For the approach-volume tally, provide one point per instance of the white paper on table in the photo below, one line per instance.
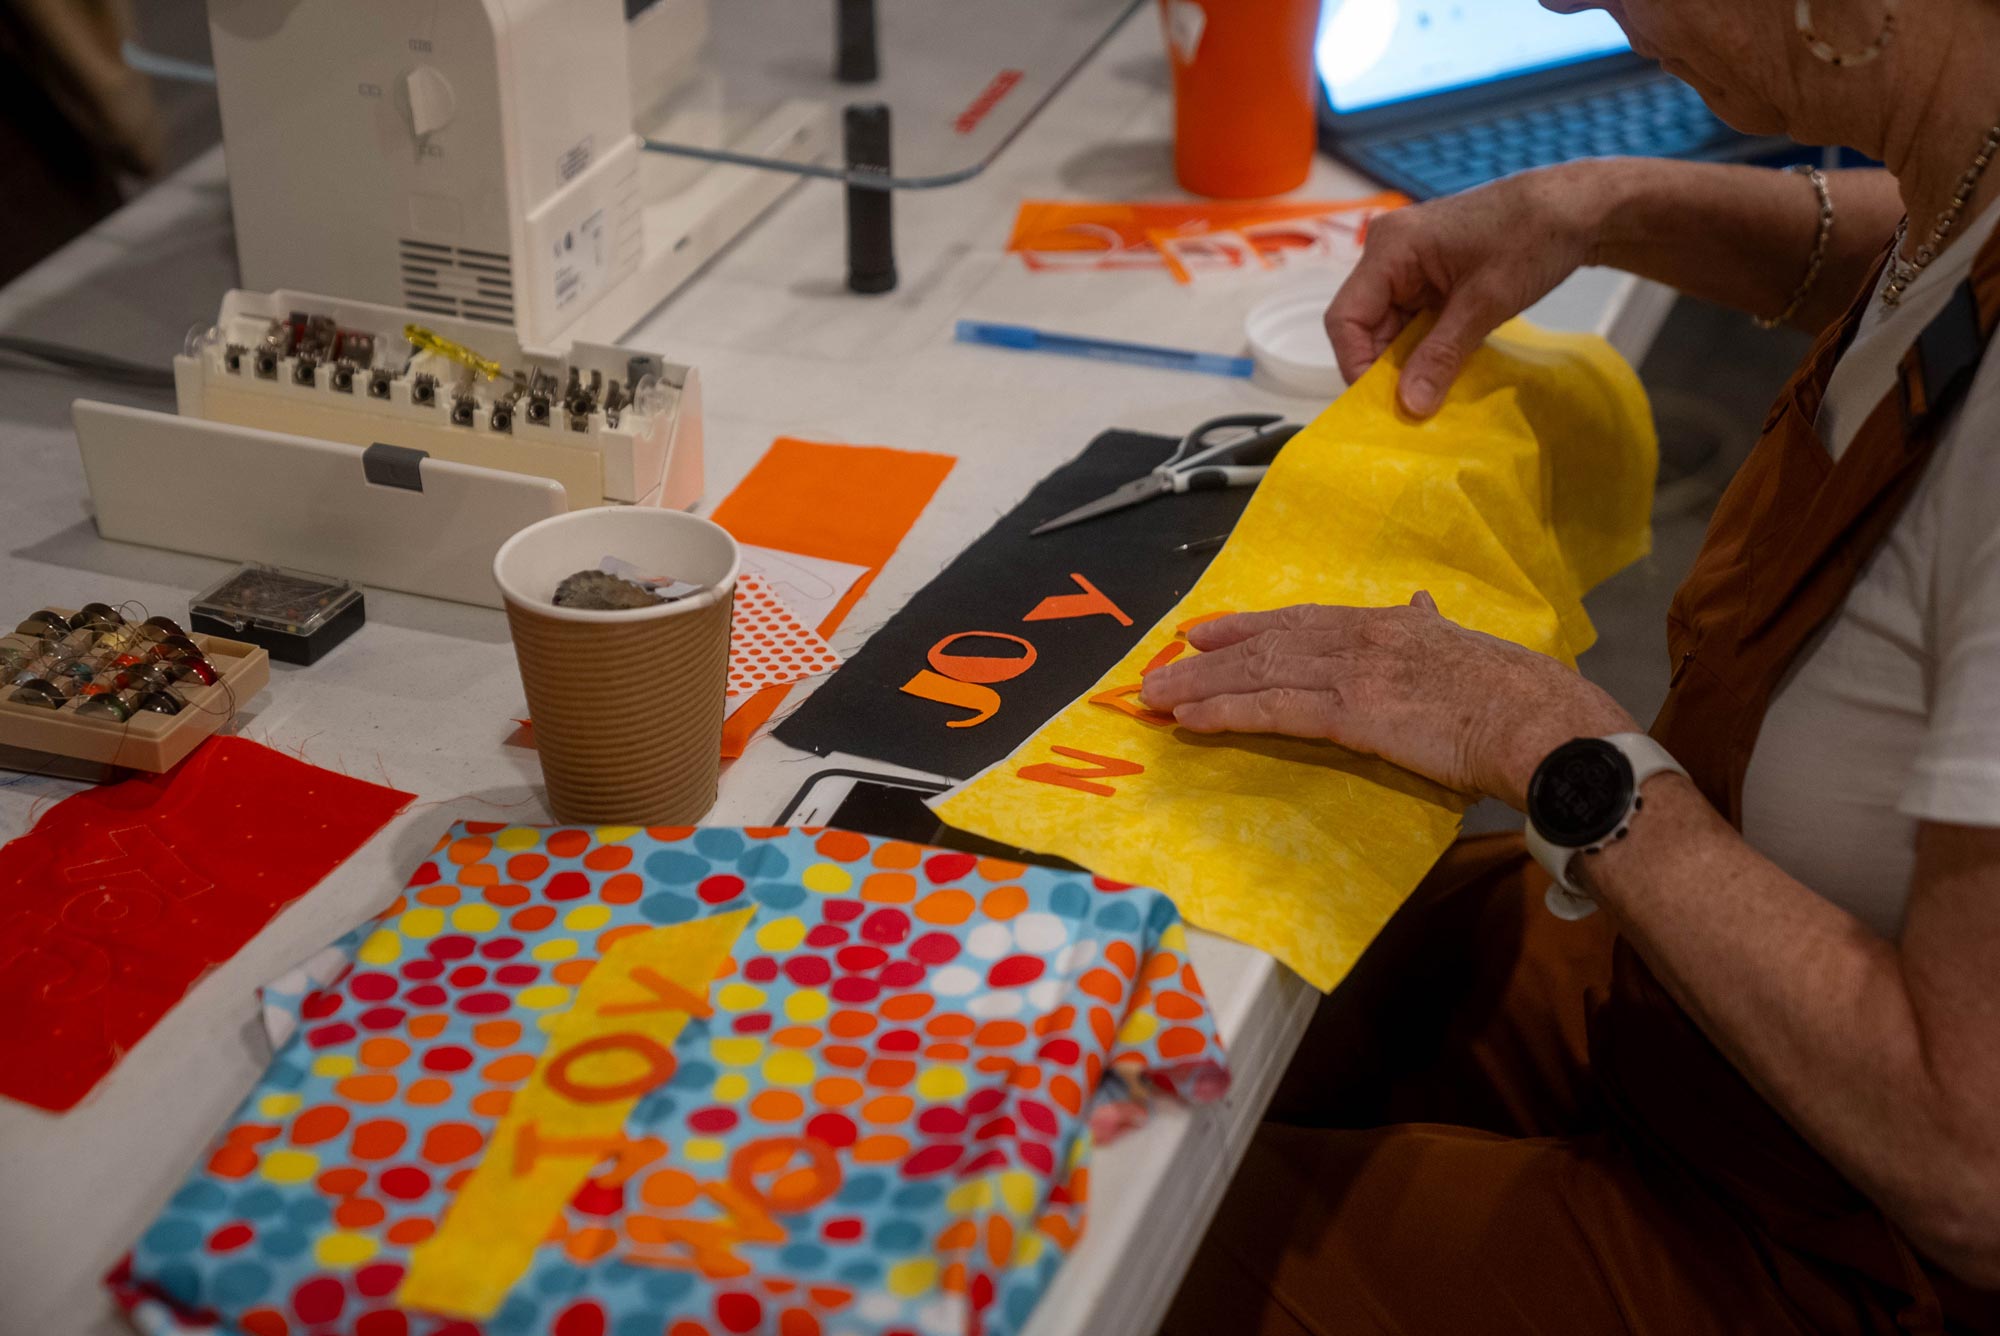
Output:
(812, 587)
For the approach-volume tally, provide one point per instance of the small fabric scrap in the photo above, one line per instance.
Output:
(812, 587)
(1191, 241)
(706, 1081)
(768, 645)
(121, 898)
(845, 503)
(1533, 483)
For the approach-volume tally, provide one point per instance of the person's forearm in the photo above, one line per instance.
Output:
(1817, 1012)
(1740, 236)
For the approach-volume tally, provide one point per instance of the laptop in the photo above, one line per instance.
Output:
(1436, 96)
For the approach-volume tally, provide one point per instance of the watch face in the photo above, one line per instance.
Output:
(1580, 793)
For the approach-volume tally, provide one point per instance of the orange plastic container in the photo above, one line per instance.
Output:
(1243, 94)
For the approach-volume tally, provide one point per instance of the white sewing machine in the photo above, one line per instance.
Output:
(481, 159)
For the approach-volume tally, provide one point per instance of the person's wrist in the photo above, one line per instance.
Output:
(1664, 819)
(1607, 196)
(1531, 743)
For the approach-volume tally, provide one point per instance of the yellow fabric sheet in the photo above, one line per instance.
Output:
(1533, 483)
(612, 1046)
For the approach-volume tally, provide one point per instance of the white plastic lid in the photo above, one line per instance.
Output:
(1287, 336)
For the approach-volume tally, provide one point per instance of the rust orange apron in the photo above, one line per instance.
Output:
(1787, 540)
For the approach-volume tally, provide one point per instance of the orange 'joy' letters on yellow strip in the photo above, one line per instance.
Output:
(610, 1048)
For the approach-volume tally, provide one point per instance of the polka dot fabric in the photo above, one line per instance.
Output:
(768, 645)
(882, 1123)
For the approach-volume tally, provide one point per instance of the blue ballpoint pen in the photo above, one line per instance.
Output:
(1026, 338)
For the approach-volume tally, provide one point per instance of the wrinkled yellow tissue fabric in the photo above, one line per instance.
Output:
(1532, 483)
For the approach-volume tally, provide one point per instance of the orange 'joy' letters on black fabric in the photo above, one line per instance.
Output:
(1018, 627)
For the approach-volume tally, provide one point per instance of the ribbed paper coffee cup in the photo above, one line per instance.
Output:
(627, 705)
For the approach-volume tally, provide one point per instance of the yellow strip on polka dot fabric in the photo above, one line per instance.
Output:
(603, 1055)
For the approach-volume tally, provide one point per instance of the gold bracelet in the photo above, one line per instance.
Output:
(1818, 179)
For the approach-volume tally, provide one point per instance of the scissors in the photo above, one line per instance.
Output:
(1198, 464)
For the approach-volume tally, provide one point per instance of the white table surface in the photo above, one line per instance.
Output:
(422, 697)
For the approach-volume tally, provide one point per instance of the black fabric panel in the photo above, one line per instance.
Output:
(997, 582)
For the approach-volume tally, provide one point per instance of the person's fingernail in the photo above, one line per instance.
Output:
(1419, 394)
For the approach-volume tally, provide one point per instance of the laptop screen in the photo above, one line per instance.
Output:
(1375, 51)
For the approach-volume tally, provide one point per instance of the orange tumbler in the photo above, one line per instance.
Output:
(1243, 94)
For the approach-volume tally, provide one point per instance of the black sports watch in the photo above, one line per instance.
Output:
(1582, 797)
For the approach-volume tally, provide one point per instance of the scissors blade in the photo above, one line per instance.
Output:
(1131, 494)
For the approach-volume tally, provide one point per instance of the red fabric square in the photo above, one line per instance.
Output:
(122, 897)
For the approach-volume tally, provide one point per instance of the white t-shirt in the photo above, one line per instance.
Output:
(1891, 715)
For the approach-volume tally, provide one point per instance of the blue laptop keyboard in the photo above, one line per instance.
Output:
(1662, 118)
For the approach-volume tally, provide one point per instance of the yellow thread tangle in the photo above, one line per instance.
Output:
(432, 342)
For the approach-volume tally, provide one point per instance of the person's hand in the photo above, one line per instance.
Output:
(1478, 259)
(1471, 711)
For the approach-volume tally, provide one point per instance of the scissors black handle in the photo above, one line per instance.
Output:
(1264, 446)
(1197, 440)
(1264, 434)
(1213, 425)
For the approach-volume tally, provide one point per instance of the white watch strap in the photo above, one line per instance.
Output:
(1567, 902)
(1565, 899)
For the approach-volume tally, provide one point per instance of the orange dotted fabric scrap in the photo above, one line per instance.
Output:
(768, 645)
